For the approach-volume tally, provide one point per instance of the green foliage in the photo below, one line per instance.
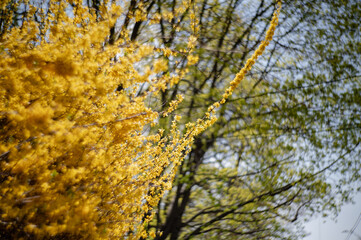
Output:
(286, 145)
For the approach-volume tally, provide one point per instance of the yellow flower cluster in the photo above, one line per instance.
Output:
(173, 105)
(251, 61)
(74, 160)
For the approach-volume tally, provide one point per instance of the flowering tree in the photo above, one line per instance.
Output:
(76, 157)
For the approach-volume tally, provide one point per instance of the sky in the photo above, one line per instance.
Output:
(327, 229)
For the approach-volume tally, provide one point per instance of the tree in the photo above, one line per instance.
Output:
(77, 160)
(287, 143)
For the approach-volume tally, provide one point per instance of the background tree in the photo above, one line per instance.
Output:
(287, 144)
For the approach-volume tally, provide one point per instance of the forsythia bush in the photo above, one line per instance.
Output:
(76, 160)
